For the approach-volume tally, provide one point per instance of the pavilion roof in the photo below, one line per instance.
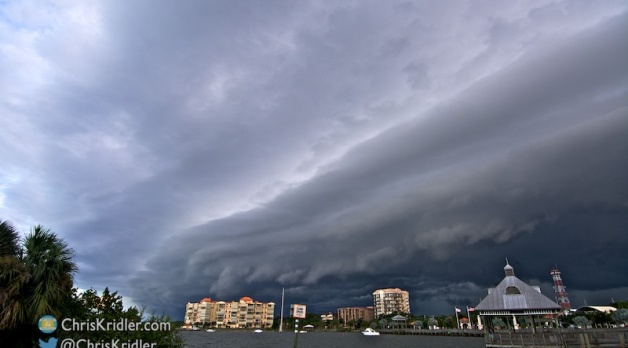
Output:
(512, 294)
(399, 318)
(606, 309)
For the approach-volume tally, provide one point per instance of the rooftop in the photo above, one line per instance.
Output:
(513, 294)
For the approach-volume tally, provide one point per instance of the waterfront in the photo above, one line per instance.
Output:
(248, 339)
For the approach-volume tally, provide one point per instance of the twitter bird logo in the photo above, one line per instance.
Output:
(52, 343)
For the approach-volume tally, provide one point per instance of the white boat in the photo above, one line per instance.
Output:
(211, 330)
(370, 332)
(195, 328)
(302, 331)
(258, 331)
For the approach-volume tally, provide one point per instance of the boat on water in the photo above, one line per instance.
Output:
(302, 331)
(211, 330)
(258, 331)
(370, 332)
(195, 328)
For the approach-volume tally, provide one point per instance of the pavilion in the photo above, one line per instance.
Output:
(513, 298)
(602, 309)
(398, 320)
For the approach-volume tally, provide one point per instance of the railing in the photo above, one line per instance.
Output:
(524, 340)
(560, 339)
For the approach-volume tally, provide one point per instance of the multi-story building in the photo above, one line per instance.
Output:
(348, 314)
(389, 301)
(198, 312)
(245, 313)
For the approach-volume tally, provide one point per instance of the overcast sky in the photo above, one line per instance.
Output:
(190, 149)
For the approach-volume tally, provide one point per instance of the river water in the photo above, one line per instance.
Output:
(247, 339)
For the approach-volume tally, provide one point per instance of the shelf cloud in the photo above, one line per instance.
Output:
(228, 149)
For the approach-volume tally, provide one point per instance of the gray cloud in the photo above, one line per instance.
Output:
(231, 149)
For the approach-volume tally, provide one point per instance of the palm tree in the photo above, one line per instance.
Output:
(12, 276)
(9, 239)
(432, 323)
(35, 277)
(49, 262)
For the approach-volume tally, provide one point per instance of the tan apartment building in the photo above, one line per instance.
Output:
(198, 312)
(348, 314)
(245, 313)
(389, 301)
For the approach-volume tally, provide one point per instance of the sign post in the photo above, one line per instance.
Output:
(298, 312)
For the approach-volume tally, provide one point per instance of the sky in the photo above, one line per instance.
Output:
(191, 149)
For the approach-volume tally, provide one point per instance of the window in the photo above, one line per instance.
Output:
(513, 290)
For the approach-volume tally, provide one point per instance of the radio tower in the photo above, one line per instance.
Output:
(559, 290)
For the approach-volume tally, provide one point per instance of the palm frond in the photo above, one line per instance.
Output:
(9, 239)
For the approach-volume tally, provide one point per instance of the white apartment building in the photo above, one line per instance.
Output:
(389, 301)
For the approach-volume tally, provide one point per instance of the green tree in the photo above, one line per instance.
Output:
(523, 322)
(621, 316)
(581, 321)
(9, 240)
(36, 277)
(49, 262)
(600, 318)
(499, 322)
(449, 322)
(108, 307)
(12, 276)
(432, 322)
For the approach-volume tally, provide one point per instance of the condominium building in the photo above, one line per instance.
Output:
(348, 314)
(389, 301)
(245, 313)
(198, 312)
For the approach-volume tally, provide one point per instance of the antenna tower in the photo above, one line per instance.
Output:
(560, 290)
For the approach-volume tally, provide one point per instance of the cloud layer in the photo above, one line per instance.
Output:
(223, 149)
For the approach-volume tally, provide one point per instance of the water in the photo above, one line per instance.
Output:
(248, 339)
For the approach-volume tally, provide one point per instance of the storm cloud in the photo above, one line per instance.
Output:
(229, 149)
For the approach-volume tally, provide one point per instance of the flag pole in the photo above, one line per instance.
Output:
(281, 315)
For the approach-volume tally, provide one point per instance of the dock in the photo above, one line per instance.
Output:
(438, 332)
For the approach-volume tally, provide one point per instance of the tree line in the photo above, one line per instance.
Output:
(37, 279)
(381, 322)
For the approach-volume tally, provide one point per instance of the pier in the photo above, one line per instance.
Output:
(439, 332)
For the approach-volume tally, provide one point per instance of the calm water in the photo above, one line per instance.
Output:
(241, 339)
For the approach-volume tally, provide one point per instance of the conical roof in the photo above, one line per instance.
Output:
(513, 294)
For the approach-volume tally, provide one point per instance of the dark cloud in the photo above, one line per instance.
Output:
(230, 149)
(518, 160)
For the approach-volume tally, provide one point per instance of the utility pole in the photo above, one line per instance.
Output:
(281, 315)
